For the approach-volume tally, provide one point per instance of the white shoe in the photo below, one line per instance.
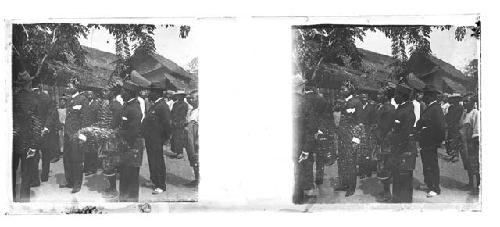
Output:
(431, 194)
(157, 191)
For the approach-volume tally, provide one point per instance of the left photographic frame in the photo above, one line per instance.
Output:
(104, 113)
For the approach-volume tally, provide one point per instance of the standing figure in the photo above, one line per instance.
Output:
(454, 145)
(110, 162)
(351, 135)
(431, 127)
(132, 146)
(156, 130)
(73, 153)
(27, 125)
(192, 147)
(50, 145)
(403, 147)
(179, 116)
(305, 124)
(470, 155)
(366, 116)
(385, 122)
(90, 118)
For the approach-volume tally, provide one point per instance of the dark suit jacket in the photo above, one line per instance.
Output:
(74, 115)
(131, 121)
(365, 115)
(157, 124)
(403, 148)
(116, 112)
(385, 115)
(179, 114)
(432, 126)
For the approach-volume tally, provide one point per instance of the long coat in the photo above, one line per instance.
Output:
(385, 120)
(130, 131)
(27, 122)
(73, 123)
(157, 124)
(432, 126)
(74, 115)
(403, 146)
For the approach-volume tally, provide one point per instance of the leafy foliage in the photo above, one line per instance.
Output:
(35, 45)
(316, 45)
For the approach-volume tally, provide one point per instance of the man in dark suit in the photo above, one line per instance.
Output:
(132, 147)
(432, 132)
(179, 123)
(26, 133)
(156, 130)
(384, 121)
(403, 147)
(365, 114)
(89, 118)
(73, 154)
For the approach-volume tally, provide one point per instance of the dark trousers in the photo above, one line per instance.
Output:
(27, 167)
(156, 162)
(91, 160)
(430, 167)
(402, 186)
(35, 172)
(73, 167)
(46, 156)
(129, 183)
(319, 159)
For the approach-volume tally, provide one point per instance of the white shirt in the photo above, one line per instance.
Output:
(119, 99)
(193, 115)
(473, 119)
(393, 102)
(170, 104)
(416, 110)
(142, 103)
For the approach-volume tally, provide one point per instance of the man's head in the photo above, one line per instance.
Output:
(193, 99)
(364, 98)
(402, 94)
(130, 90)
(430, 94)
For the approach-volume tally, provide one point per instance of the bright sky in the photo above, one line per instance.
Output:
(167, 41)
(443, 45)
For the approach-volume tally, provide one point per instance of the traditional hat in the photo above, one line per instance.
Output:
(403, 88)
(24, 77)
(131, 86)
(156, 86)
(430, 88)
(180, 92)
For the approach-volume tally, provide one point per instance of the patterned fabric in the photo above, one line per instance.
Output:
(27, 124)
(348, 150)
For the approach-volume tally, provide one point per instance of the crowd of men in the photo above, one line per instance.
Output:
(143, 119)
(382, 132)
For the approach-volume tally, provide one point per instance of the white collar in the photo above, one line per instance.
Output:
(157, 100)
(76, 94)
(347, 99)
(432, 102)
(132, 99)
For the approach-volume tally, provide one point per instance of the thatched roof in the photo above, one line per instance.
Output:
(155, 67)
(435, 71)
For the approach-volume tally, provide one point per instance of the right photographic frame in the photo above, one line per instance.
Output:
(386, 114)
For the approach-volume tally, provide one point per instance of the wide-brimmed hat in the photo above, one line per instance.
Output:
(430, 88)
(23, 78)
(131, 86)
(180, 92)
(155, 86)
(404, 89)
